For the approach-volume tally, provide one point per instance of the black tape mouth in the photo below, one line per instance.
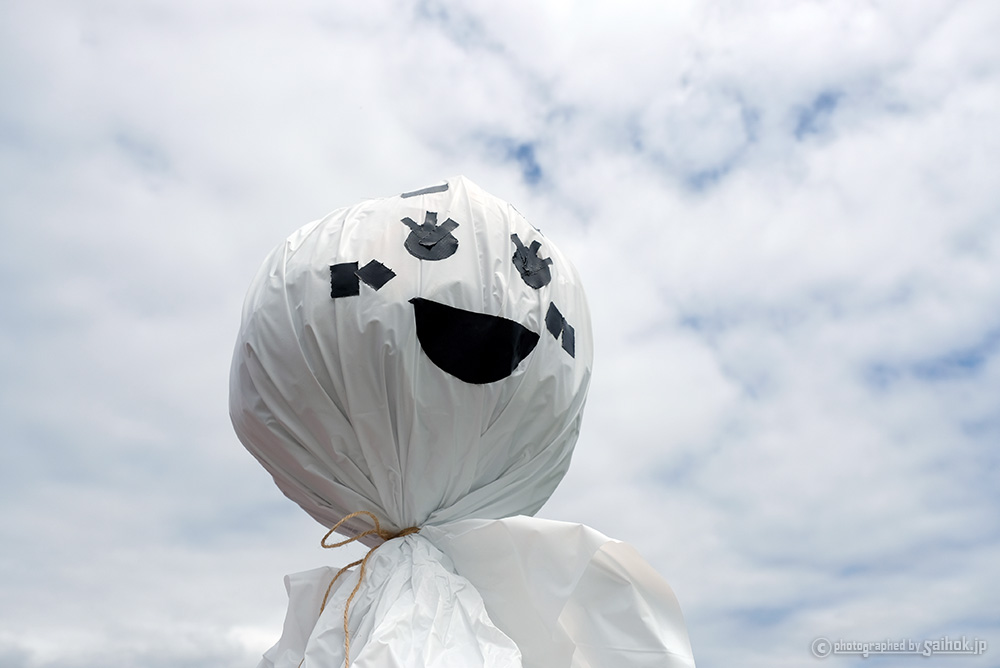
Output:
(474, 347)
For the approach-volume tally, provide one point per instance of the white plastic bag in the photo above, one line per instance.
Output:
(425, 358)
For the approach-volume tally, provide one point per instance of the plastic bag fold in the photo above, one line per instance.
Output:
(513, 592)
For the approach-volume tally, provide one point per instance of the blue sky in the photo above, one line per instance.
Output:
(785, 214)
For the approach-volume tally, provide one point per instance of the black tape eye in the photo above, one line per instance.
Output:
(534, 270)
(430, 241)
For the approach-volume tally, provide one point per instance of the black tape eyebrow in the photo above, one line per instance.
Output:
(426, 191)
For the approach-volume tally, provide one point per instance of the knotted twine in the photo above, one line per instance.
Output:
(376, 531)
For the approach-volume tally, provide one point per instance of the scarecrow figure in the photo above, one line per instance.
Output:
(412, 372)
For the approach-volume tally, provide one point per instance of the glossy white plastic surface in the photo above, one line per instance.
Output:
(337, 395)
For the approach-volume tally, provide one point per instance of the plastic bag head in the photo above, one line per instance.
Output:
(424, 357)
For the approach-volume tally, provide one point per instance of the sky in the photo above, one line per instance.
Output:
(786, 218)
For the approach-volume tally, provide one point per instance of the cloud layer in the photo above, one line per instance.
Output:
(784, 212)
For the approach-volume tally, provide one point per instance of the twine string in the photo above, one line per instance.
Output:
(377, 530)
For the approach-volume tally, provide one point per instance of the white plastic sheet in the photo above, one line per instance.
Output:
(533, 593)
(338, 399)
(426, 358)
(413, 610)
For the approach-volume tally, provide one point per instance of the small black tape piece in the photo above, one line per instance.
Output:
(554, 321)
(375, 274)
(558, 327)
(430, 241)
(344, 280)
(474, 347)
(426, 191)
(534, 270)
(569, 339)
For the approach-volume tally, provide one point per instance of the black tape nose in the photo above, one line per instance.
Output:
(474, 347)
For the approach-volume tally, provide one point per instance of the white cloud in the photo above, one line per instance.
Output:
(783, 212)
